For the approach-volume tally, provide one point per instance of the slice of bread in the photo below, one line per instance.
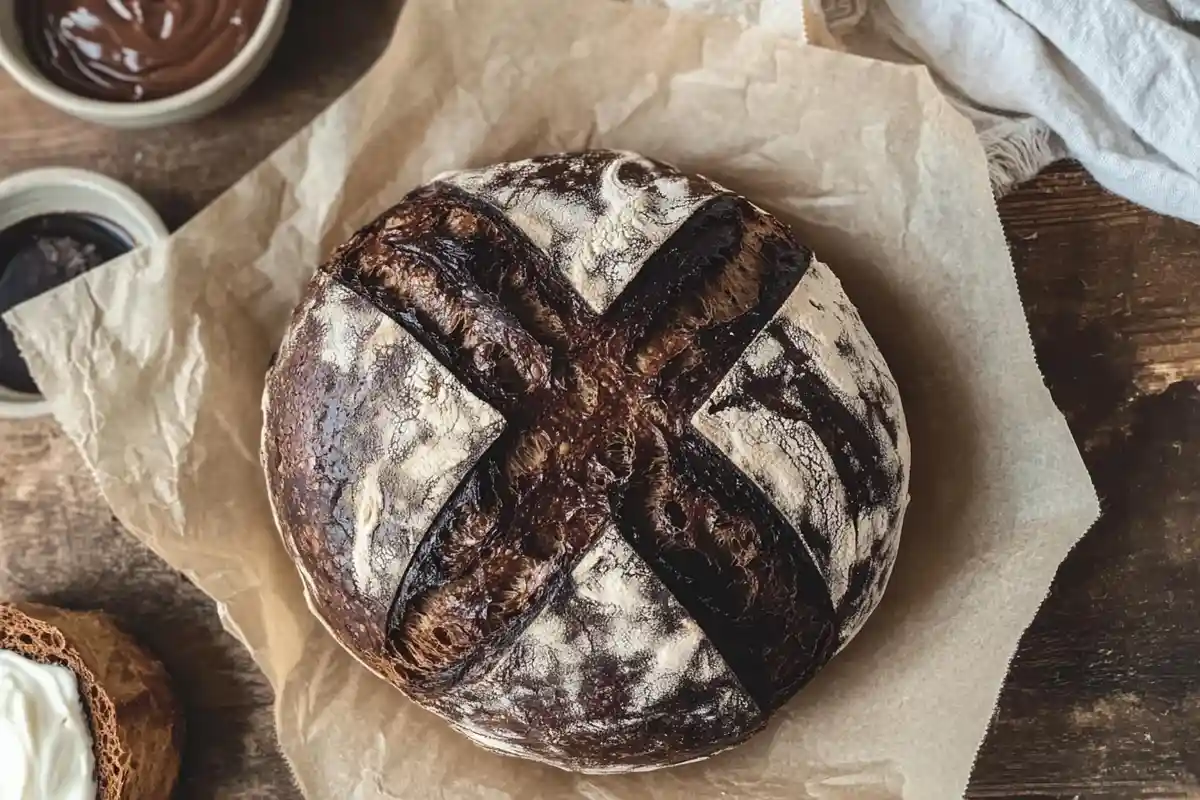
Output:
(135, 722)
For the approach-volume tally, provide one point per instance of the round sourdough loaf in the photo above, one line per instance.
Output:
(588, 456)
(136, 726)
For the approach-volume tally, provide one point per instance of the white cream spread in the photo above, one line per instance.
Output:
(45, 744)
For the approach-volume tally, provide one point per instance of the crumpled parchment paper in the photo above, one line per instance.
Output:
(155, 367)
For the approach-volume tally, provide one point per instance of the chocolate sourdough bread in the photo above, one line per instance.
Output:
(588, 456)
(135, 724)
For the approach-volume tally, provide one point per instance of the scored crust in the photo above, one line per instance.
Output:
(588, 456)
(135, 722)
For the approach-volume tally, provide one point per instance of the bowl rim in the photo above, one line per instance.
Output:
(36, 83)
(86, 179)
(21, 405)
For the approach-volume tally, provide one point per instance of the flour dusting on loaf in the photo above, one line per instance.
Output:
(599, 216)
(389, 430)
(812, 414)
(634, 679)
(590, 457)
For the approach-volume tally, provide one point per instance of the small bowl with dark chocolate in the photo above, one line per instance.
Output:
(56, 224)
(138, 63)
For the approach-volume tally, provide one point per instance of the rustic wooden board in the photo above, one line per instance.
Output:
(1103, 700)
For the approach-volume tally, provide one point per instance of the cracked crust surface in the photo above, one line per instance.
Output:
(670, 462)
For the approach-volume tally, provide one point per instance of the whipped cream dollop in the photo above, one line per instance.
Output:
(45, 744)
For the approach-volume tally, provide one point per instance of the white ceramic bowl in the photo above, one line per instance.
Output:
(55, 191)
(196, 102)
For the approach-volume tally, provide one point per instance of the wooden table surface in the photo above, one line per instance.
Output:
(1103, 699)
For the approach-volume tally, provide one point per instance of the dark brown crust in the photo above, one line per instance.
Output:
(319, 453)
(136, 724)
(617, 391)
(597, 405)
(704, 710)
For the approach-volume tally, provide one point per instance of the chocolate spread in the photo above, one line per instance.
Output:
(130, 50)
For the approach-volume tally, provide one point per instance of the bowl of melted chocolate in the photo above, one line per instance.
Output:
(138, 63)
(56, 225)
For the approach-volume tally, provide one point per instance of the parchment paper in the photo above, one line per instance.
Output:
(784, 16)
(155, 368)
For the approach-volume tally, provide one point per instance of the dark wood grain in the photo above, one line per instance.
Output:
(1103, 699)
